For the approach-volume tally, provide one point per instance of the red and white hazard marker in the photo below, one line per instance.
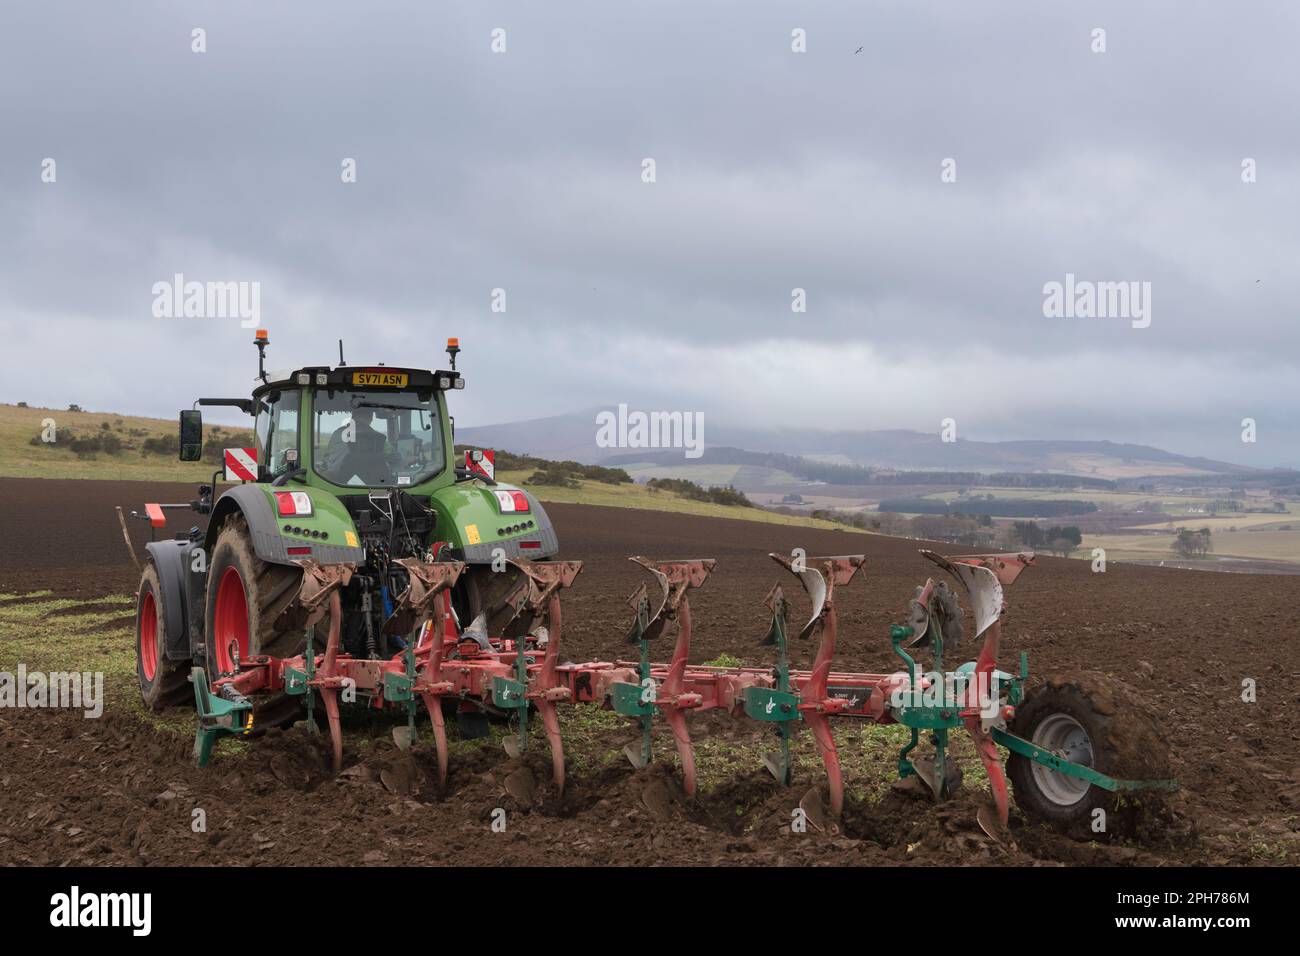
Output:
(484, 466)
(241, 464)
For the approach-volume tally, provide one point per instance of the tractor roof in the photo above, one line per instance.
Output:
(361, 376)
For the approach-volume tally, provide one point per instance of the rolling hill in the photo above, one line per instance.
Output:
(573, 437)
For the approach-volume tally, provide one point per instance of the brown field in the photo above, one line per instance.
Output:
(122, 790)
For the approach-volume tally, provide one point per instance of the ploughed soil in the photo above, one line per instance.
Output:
(122, 789)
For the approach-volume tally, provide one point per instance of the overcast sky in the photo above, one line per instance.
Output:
(775, 170)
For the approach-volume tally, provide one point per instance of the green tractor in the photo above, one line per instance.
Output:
(354, 466)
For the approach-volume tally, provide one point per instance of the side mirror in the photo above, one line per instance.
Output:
(191, 442)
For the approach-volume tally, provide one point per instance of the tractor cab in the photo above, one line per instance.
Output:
(350, 428)
(366, 427)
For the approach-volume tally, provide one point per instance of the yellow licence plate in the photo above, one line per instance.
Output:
(382, 379)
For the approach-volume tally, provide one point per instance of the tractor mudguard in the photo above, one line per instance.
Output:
(271, 543)
(172, 559)
(476, 525)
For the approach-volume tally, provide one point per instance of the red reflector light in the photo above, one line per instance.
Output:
(530, 545)
(300, 550)
(511, 502)
(290, 503)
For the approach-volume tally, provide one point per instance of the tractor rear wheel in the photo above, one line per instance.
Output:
(1094, 720)
(245, 612)
(163, 682)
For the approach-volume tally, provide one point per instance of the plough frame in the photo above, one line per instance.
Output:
(521, 670)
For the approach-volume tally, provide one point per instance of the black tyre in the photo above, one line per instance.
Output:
(163, 682)
(1094, 720)
(248, 612)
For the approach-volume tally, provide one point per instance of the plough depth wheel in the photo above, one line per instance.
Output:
(1088, 719)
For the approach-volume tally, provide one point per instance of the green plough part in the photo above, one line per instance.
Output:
(938, 719)
(638, 700)
(1060, 765)
(778, 705)
(397, 687)
(295, 681)
(629, 700)
(217, 716)
(510, 694)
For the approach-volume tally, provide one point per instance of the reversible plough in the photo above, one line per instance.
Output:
(512, 667)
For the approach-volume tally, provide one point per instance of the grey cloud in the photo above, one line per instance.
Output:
(775, 170)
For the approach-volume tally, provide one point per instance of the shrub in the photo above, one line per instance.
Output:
(161, 445)
(556, 477)
(106, 442)
(688, 489)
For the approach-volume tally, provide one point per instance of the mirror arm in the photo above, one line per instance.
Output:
(243, 404)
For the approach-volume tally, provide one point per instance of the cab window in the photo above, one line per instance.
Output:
(277, 430)
(383, 438)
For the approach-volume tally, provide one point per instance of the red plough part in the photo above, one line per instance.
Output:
(508, 677)
(517, 669)
(541, 598)
(665, 691)
(426, 600)
(984, 577)
(820, 578)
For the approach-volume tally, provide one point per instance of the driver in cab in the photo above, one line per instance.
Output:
(356, 450)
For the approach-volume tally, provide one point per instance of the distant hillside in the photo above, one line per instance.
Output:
(574, 437)
(104, 445)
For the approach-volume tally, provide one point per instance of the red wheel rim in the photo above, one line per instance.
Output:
(148, 636)
(230, 621)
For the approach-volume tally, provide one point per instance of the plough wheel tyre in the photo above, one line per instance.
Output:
(1095, 720)
(163, 682)
(245, 605)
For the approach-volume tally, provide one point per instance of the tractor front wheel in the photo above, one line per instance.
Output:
(1093, 720)
(163, 682)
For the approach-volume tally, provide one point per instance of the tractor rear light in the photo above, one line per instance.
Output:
(299, 550)
(290, 503)
(530, 545)
(511, 502)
